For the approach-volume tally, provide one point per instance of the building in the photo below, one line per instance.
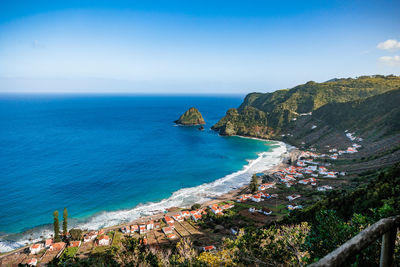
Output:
(208, 248)
(75, 244)
(196, 217)
(32, 262)
(58, 246)
(104, 240)
(150, 225)
(185, 214)
(35, 248)
(142, 229)
(48, 242)
(168, 230)
(293, 197)
(90, 236)
(266, 211)
(266, 186)
(168, 220)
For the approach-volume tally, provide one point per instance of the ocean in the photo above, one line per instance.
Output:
(111, 159)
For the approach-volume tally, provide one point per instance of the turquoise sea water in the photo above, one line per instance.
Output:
(102, 156)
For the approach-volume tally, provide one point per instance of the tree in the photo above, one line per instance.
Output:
(254, 183)
(65, 221)
(76, 234)
(196, 206)
(56, 227)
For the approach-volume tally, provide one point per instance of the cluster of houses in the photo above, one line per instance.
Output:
(262, 210)
(53, 247)
(140, 228)
(288, 175)
(256, 197)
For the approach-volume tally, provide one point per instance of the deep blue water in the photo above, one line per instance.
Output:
(106, 153)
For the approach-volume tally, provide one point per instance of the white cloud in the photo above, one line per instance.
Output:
(391, 61)
(389, 45)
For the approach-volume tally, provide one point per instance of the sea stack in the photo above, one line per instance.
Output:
(191, 117)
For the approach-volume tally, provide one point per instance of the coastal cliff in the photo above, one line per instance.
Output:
(269, 115)
(191, 117)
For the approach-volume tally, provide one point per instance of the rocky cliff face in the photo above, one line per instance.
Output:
(191, 117)
(268, 115)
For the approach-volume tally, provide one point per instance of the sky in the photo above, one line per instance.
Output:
(192, 47)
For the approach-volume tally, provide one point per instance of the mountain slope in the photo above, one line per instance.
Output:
(267, 115)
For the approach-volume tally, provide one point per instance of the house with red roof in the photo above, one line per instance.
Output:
(169, 220)
(32, 262)
(48, 242)
(208, 248)
(185, 214)
(104, 240)
(58, 246)
(75, 244)
(142, 229)
(168, 230)
(196, 217)
(178, 217)
(35, 248)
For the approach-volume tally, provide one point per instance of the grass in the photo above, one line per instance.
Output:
(100, 249)
(117, 239)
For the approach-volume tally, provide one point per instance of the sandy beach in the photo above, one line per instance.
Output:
(291, 154)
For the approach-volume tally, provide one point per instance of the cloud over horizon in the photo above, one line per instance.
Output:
(390, 60)
(389, 45)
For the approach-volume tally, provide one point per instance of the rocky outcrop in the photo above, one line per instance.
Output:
(191, 117)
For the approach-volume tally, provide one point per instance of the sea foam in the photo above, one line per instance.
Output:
(184, 197)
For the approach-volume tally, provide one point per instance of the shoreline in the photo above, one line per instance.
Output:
(160, 207)
(292, 152)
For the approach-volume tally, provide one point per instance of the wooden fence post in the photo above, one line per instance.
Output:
(387, 249)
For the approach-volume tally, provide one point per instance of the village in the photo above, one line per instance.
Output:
(278, 193)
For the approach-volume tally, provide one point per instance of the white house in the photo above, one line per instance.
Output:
(256, 198)
(104, 240)
(48, 243)
(312, 168)
(322, 170)
(330, 175)
(35, 248)
(301, 163)
(142, 229)
(252, 209)
(178, 218)
(168, 230)
(324, 188)
(293, 197)
(150, 225)
(266, 211)
(32, 262)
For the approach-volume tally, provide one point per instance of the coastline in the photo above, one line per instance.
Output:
(292, 152)
(222, 189)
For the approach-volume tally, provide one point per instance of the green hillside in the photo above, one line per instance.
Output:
(377, 112)
(265, 115)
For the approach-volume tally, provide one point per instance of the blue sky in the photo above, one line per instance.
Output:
(192, 46)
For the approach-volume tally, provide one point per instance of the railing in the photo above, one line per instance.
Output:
(387, 228)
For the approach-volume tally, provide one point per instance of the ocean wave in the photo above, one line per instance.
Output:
(184, 197)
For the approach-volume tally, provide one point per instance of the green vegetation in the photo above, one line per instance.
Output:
(191, 117)
(380, 112)
(76, 234)
(267, 115)
(195, 206)
(253, 183)
(302, 237)
(65, 221)
(56, 227)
